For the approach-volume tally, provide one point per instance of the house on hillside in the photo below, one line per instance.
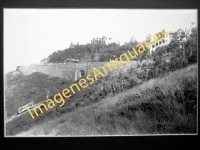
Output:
(180, 36)
(161, 42)
(45, 61)
(98, 40)
(71, 60)
(174, 36)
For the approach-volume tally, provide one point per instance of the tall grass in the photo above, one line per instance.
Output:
(171, 109)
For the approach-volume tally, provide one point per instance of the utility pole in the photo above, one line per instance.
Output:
(184, 40)
(181, 41)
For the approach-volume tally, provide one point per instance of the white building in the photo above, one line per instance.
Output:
(180, 36)
(162, 42)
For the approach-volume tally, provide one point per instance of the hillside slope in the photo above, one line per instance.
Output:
(21, 90)
(172, 108)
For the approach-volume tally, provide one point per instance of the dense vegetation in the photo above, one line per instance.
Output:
(87, 52)
(106, 51)
(171, 109)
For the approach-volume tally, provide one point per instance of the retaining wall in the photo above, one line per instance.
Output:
(69, 71)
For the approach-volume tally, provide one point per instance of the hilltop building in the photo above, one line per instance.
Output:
(181, 36)
(98, 40)
(71, 60)
(162, 42)
(45, 61)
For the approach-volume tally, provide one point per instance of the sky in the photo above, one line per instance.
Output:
(33, 34)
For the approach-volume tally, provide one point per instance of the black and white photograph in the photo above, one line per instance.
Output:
(72, 72)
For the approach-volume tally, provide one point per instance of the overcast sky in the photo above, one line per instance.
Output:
(33, 34)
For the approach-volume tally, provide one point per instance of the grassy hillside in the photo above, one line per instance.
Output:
(172, 108)
(22, 89)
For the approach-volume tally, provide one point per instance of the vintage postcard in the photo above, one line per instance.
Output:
(100, 72)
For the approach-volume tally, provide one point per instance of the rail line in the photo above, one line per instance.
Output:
(18, 115)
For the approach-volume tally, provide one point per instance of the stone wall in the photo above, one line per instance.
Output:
(70, 71)
(55, 70)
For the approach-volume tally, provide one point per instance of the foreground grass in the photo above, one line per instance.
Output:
(171, 109)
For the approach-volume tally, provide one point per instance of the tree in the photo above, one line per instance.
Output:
(145, 54)
(132, 39)
(71, 44)
(193, 37)
(149, 38)
(104, 38)
(174, 44)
